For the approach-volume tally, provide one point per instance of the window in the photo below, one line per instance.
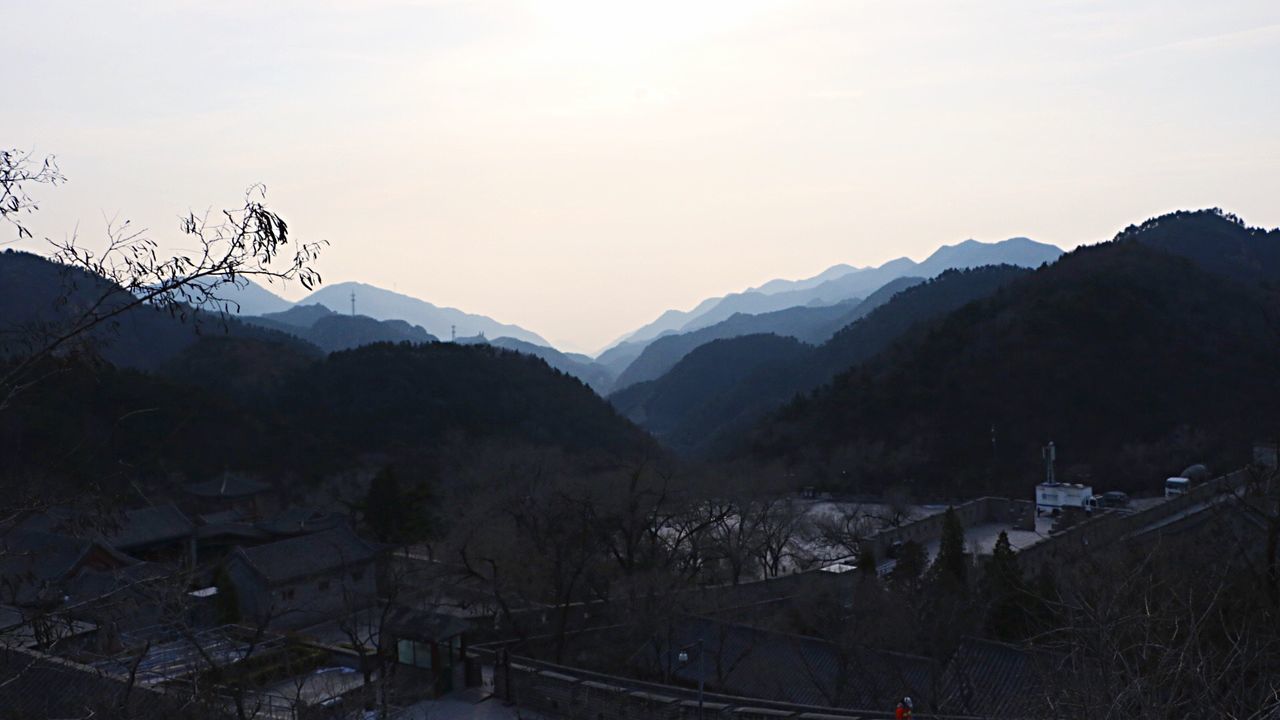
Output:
(414, 653)
(324, 586)
(287, 593)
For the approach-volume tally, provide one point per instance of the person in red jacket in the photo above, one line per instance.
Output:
(904, 709)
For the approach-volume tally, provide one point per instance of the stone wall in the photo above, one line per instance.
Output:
(1109, 528)
(1016, 513)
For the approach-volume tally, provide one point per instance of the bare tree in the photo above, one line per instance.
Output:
(1171, 628)
(128, 273)
(778, 524)
(18, 172)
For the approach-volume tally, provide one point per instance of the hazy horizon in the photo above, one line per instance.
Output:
(578, 169)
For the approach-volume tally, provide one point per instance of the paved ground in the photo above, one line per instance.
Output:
(319, 685)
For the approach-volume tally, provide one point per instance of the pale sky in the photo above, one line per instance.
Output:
(578, 167)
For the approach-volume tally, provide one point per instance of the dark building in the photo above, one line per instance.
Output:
(303, 580)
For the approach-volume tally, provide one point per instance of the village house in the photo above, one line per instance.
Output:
(156, 533)
(302, 580)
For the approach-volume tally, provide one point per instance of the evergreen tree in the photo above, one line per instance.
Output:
(910, 566)
(951, 568)
(226, 603)
(867, 561)
(395, 515)
(1006, 593)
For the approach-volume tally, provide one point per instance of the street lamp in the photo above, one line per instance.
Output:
(683, 657)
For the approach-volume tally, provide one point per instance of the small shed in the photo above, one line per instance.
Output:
(432, 644)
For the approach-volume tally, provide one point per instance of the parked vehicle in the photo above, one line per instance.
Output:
(1176, 486)
(1052, 497)
(1115, 499)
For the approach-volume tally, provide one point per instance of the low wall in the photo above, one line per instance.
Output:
(1101, 532)
(975, 512)
(572, 694)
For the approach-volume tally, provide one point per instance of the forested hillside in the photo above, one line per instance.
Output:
(247, 405)
(154, 395)
(1134, 361)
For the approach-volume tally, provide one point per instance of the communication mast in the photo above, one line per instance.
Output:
(353, 303)
(1049, 453)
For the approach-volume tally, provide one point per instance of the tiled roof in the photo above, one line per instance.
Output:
(308, 555)
(46, 556)
(993, 679)
(41, 686)
(149, 525)
(91, 583)
(749, 662)
(32, 561)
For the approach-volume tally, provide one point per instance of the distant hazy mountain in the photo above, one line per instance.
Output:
(596, 376)
(1021, 252)
(332, 331)
(439, 321)
(843, 282)
(812, 325)
(831, 273)
(668, 322)
(299, 316)
(713, 412)
(250, 299)
(617, 358)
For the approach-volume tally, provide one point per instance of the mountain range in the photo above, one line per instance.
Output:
(155, 396)
(808, 324)
(843, 282)
(443, 322)
(331, 331)
(810, 310)
(251, 298)
(720, 389)
(1136, 356)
